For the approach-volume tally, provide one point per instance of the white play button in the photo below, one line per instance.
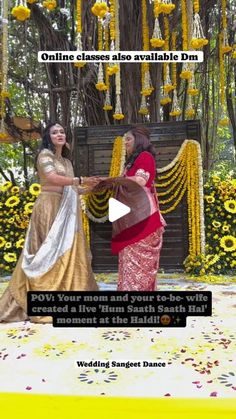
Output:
(117, 210)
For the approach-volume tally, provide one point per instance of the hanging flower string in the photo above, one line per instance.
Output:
(4, 69)
(118, 114)
(224, 120)
(147, 87)
(50, 5)
(21, 11)
(225, 45)
(198, 39)
(79, 47)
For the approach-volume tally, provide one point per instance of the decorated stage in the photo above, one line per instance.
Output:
(36, 358)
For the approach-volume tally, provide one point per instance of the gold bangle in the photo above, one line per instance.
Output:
(75, 181)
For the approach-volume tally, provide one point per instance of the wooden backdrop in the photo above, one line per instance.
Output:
(92, 156)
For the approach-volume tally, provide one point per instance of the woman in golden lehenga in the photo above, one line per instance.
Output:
(55, 255)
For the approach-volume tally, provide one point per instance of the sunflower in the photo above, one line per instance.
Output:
(210, 199)
(228, 243)
(15, 189)
(20, 243)
(226, 228)
(6, 186)
(8, 245)
(2, 241)
(12, 201)
(10, 257)
(230, 206)
(29, 207)
(216, 224)
(35, 189)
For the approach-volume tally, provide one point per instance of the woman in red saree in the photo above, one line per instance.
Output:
(137, 237)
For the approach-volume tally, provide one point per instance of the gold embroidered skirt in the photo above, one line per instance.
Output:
(65, 267)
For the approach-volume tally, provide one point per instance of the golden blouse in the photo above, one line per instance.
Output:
(48, 162)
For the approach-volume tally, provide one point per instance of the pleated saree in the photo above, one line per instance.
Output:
(55, 256)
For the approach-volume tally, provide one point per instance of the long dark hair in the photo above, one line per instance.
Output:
(47, 142)
(141, 143)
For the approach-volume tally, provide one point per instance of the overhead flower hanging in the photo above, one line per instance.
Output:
(156, 41)
(146, 83)
(198, 39)
(100, 9)
(175, 110)
(100, 85)
(163, 6)
(224, 120)
(118, 114)
(190, 111)
(21, 11)
(50, 5)
(78, 41)
(143, 110)
(225, 45)
(192, 90)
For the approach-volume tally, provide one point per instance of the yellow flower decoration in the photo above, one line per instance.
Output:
(8, 245)
(230, 206)
(228, 243)
(224, 122)
(10, 257)
(100, 9)
(15, 189)
(216, 224)
(193, 92)
(112, 70)
(210, 199)
(197, 43)
(175, 113)
(143, 111)
(107, 107)
(20, 243)
(101, 86)
(118, 116)
(13, 201)
(29, 207)
(157, 43)
(6, 186)
(2, 241)
(32, 1)
(21, 13)
(50, 5)
(190, 112)
(79, 64)
(35, 189)
(226, 228)
(5, 94)
(186, 74)
(165, 100)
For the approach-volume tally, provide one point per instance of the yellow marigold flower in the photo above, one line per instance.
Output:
(100, 9)
(228, 243)
(112, 69)
(175, 112)
(29, 207)
(167, 8)
(197, 43)
(165, 100)
(79, 64)
(50, 5)
(143, 111)
(168, 88)
(10, 257)
(2, 241)
(226, 48)
(216, 224)
(20, 243)
(13, 201)
(210, 199)
(156, 42)
(186, 74)
(6, 186)
(35, 189)
(107, 107)
(230, 206)
(224, 122)
(101, 86)
(15, 189)
(192, 91)
(118, 116)
(190, 112)
(21, 13)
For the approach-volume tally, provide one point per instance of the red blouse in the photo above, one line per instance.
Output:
(144, 166)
